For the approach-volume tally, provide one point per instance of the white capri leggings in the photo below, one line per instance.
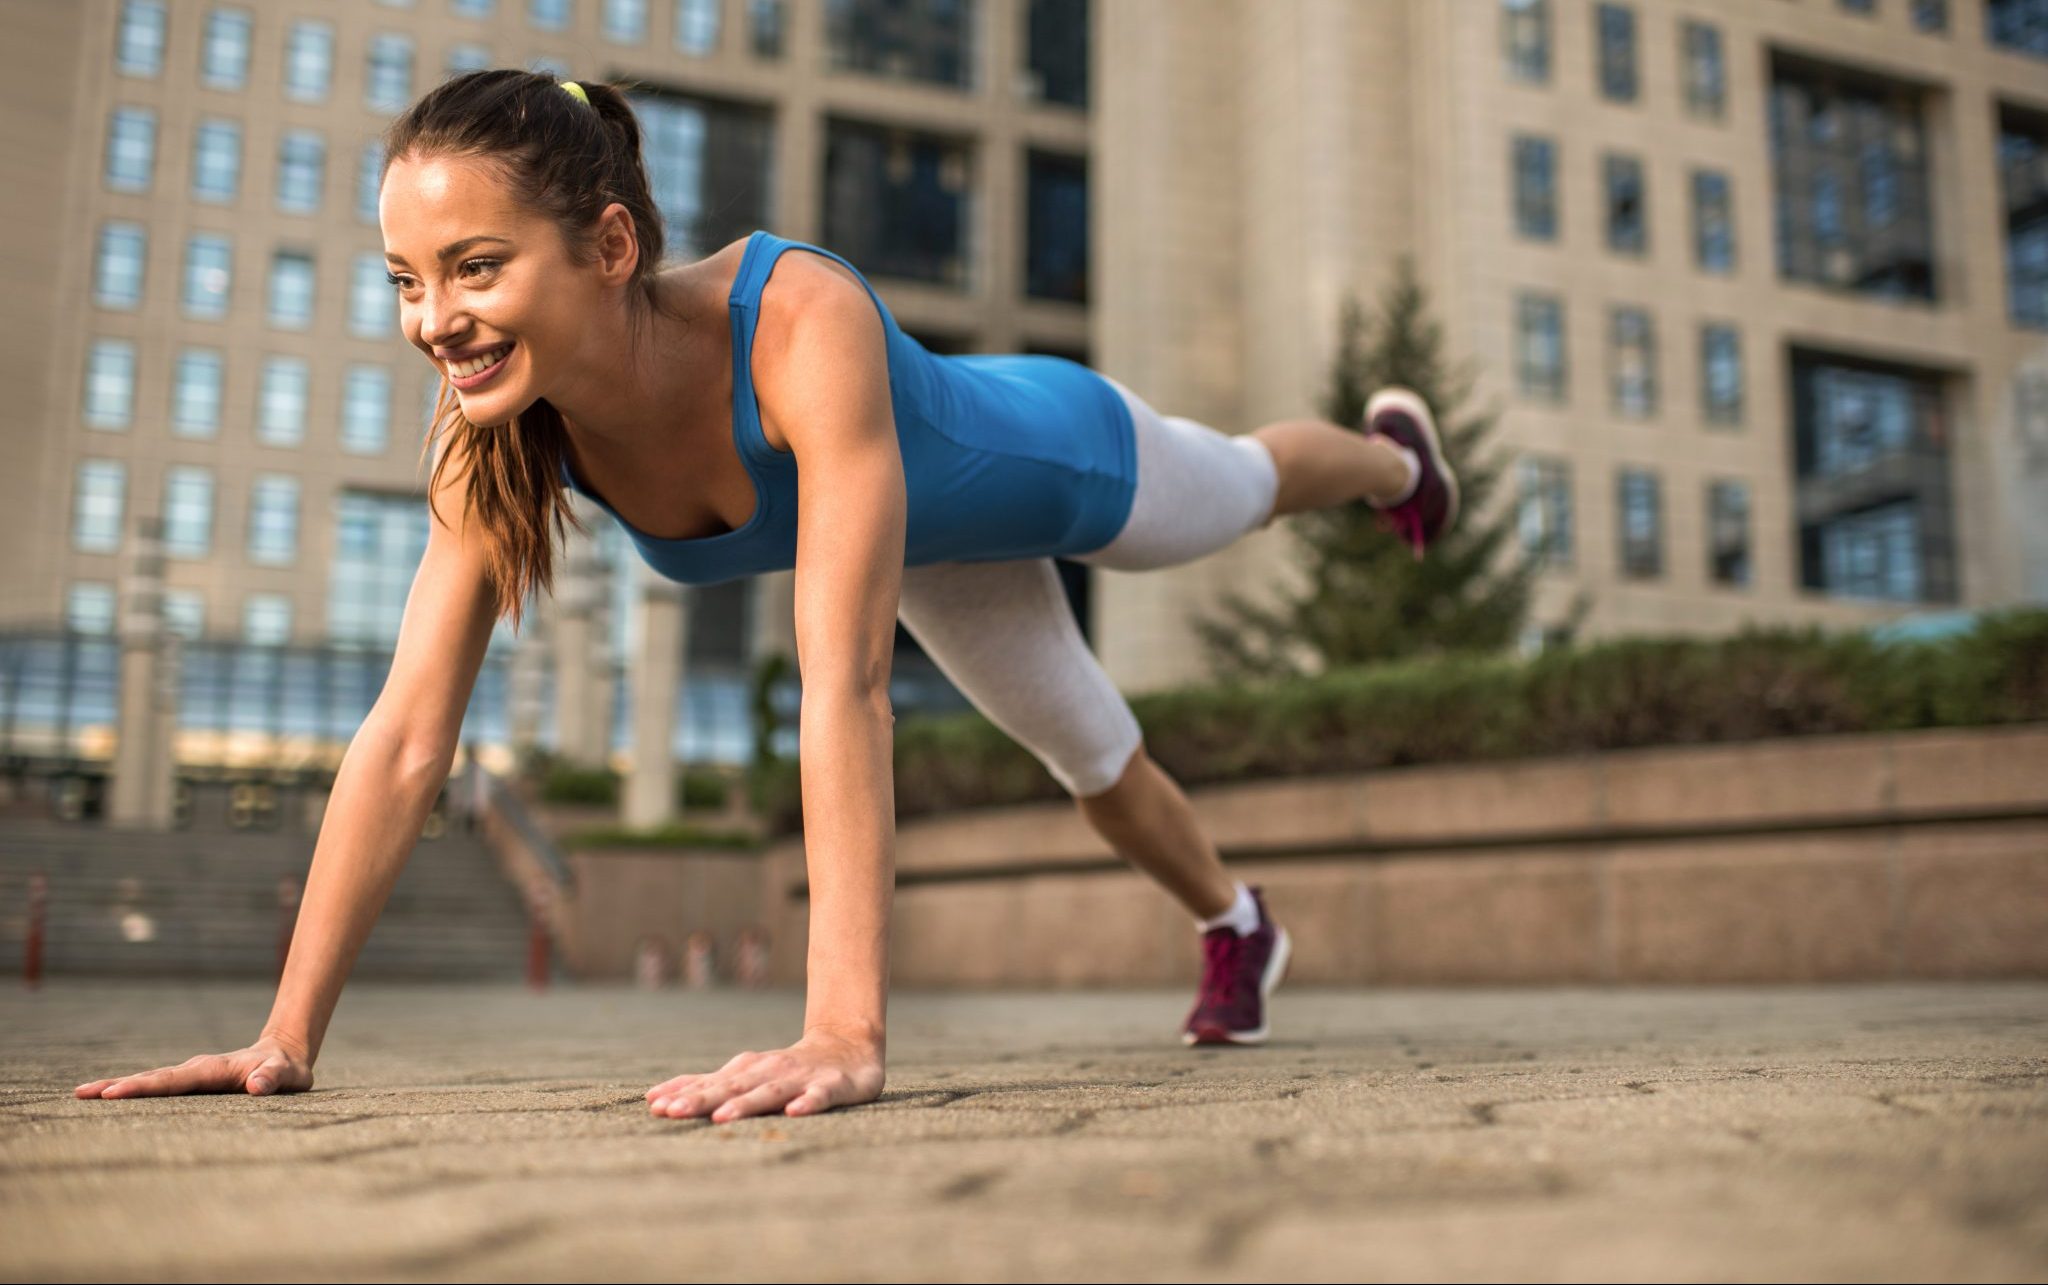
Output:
(1003, 633)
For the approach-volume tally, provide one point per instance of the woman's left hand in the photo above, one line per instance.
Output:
(820, 1071)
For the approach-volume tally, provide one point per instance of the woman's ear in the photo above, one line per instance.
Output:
(618, 244)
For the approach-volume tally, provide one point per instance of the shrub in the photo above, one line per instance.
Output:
(1624, 694)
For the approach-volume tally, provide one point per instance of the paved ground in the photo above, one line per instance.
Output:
(1893, 1132)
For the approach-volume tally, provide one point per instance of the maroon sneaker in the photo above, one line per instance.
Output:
(1400, 416)
(1238, 973)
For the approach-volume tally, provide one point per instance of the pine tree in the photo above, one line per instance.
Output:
(1366, 597)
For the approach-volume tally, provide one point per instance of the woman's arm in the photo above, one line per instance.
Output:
(394, 768)
(830, 394)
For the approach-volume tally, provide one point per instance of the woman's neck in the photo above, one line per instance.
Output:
(639, 377)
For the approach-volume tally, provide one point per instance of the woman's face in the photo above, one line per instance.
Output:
(486, 287)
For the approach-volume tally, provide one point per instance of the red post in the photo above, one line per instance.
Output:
(38, 909)
(536, 943)
(287, 918)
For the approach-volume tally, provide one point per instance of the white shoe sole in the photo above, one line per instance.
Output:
(1418, 410)
(1269, 981)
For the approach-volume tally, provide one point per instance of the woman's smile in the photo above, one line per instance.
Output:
(479, 370)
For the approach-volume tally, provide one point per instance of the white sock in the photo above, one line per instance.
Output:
(1243, 915)
(1414, 477)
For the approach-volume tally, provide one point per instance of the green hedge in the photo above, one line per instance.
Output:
(697, 789)
(1618, 695)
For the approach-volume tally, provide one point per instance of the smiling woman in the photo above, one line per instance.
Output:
(760, 410)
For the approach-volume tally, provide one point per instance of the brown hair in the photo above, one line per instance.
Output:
(568, 159)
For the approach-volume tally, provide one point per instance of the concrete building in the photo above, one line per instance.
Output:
(1760, 286)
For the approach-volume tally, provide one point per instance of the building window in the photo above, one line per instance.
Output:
(209, 261)
(708, 163)
(308, 61)
(274, 519)
(1706, 76)
(1539, 345)
(2023, 173)
(109, 383)
(1056, 51)
(131, 149)
(301, 169)
(366, 410)
(1642, 525)
(369, 178)
(1628, 222)
(291, 289)
(196, 393)
(139, 42)
(1535, 166)
(932, 41)
(765, 21)
(216, 161)
(1859, 6)
(1056, 227)
(2018, 25)
(1930, 15)
(1713, 222)
(465, 58)
(379, 542)
(1615, 29)
(624, 21)
(387, 81)
(372, 304)
(898, 201)
(281, 404)
(188, 511)
(267, 619)
(184, 613)
(1632, 348)
(224, 49)
(117, 268)
(696, 29)
(1728, 560)
(1872, 458)
(1544, 510)
(1837, 137)
(473, 8)
(1525, 39)
(548, 15)
(1720, 374)
(97, 506)
(89, 607)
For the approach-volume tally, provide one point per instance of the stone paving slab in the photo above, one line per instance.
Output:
(484, 1134)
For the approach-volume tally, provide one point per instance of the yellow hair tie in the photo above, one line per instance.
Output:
(577, 91)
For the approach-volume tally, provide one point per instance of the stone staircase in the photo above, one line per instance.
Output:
(203, 902)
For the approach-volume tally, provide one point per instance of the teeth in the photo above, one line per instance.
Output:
(464, 369)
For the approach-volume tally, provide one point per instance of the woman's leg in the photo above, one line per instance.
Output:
(1322, 465)
(1005, 636)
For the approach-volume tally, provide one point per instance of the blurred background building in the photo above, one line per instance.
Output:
(1761, 287)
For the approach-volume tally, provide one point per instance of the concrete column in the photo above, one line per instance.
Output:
(649, 798)
(581, 724)
(141, 791)
(772, 628)
(523, 683)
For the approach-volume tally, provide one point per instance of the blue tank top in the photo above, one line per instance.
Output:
(1004, 455)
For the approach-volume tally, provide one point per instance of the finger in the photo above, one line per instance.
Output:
(195, 1075)
(812, 1100)
(767, 1097)
(671, 1087)
(91, 1089)
(267, 1077)
(711, 1092)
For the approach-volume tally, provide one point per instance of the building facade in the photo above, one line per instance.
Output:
(1760, 287)
(1757, 285)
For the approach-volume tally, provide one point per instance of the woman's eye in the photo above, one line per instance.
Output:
(474, 262)
(396, 281)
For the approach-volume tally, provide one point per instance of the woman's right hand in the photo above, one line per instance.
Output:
(264, 1067)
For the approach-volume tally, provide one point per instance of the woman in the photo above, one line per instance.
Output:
(525, 249)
